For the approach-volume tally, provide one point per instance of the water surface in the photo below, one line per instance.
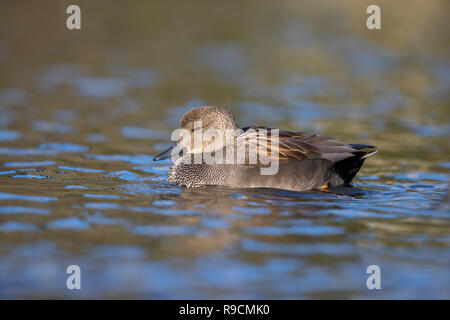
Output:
(83, 112)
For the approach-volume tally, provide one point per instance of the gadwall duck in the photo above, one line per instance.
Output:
(303, 161)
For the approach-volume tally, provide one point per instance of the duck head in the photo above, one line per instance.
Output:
(202, 129)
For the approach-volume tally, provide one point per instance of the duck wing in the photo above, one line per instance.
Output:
(290, 145)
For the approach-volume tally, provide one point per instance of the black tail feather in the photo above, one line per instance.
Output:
(345, 170)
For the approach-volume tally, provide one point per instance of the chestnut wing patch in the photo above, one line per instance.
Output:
(289, 145)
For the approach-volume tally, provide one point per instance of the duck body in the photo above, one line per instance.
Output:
(306, 175)
(304, 161)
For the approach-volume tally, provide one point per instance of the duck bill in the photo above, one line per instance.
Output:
(166, 153)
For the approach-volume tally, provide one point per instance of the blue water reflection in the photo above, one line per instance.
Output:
(80, 123)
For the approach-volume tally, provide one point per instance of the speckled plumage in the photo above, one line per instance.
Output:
(306, 161)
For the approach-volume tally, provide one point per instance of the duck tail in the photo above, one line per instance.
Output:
(345, 170)
(364, 150)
